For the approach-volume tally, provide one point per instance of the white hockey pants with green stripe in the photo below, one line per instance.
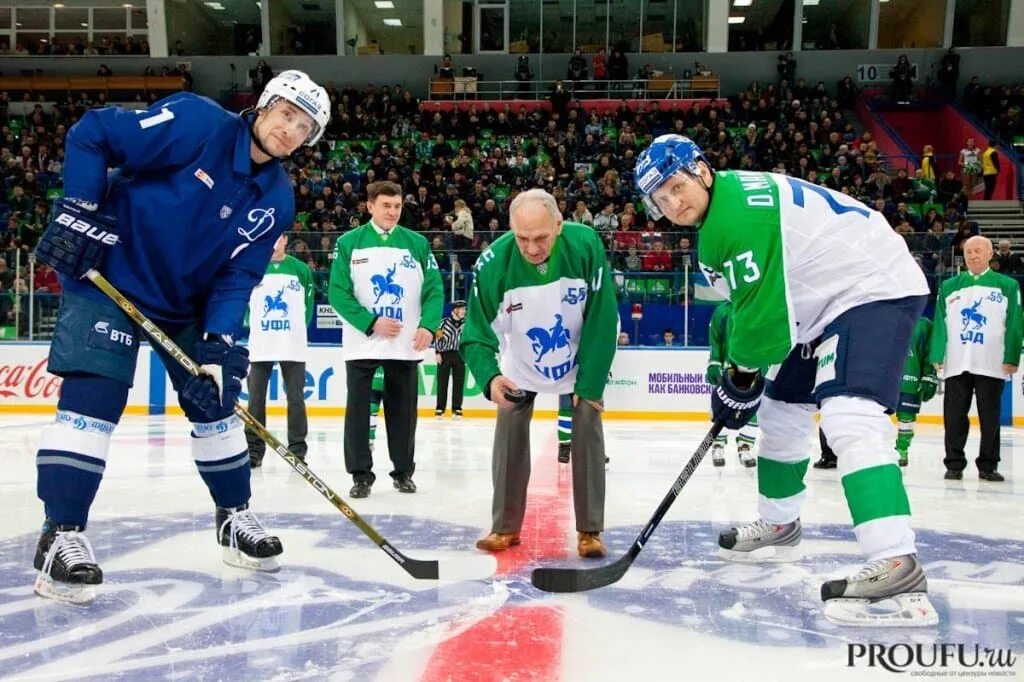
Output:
(862, 437)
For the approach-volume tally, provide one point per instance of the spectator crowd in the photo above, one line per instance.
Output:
(460, 166)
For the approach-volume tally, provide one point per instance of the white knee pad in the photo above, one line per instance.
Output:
(859, 432)
(786, 430)
(218, 440)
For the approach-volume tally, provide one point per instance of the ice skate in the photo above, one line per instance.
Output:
(889, 592)
(67, 566)
(761, 541)
(564, 450)
(245, 543)
(746, 455)
(718, 454)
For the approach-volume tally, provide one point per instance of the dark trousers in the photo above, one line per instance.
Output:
(990, 185)
(400, 392)
(294, 375)
(956, 403)
(451, 366)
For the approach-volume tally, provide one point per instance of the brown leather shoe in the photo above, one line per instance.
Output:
(498, 542)
(589, 545)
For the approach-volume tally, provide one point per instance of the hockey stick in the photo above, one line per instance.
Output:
(583, 579)
(417, 568)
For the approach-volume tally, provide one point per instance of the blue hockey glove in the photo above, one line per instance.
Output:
(217, 391)
(927, 388)
(76, 239)
(737, 403)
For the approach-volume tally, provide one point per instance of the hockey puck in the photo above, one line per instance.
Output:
(516, 396)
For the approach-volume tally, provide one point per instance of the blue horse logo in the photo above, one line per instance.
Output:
(276, 302)
(971, 315)
(385, 285)
(547, 340)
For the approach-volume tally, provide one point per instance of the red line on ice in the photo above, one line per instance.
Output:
(518, 642)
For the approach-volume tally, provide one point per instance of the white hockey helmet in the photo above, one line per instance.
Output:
(299, 89)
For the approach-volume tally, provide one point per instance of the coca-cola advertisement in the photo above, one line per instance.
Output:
(26, 386)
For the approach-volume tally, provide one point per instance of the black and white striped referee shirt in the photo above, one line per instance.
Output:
(448, 335)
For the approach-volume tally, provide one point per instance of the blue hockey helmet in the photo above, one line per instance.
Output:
(667, 155)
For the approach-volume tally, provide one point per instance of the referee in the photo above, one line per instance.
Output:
(449, 362)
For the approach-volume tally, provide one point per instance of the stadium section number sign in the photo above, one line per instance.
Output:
(879, 73)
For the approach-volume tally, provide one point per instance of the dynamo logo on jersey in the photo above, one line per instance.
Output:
(262, 221)
(972, 324)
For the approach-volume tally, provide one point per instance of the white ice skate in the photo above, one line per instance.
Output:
(889, 592)
(244, 541)
(67, 566)
(761, 541)
(718, 454)
(746, 454)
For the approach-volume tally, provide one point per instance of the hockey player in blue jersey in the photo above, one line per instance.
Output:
(184, 227)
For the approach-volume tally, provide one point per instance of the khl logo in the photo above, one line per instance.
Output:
(972, 324)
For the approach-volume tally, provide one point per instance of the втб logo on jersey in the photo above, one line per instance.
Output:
(544, 341)
(385, 285)
(972, 324)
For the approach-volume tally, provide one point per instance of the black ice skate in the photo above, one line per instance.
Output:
(67, 566)
(564, 450)
(890, 592)
(246, 544)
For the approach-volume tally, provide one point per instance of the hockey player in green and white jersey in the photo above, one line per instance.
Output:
(918, 386)
(826, 295)
(542, 318)
(747, 436)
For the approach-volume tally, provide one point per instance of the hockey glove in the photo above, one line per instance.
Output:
(216, 391)
(929, 384)
(76, 239)
(713, 375)
(737, 403)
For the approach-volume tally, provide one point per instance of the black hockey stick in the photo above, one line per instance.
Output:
(417, 568)
(583, 579)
